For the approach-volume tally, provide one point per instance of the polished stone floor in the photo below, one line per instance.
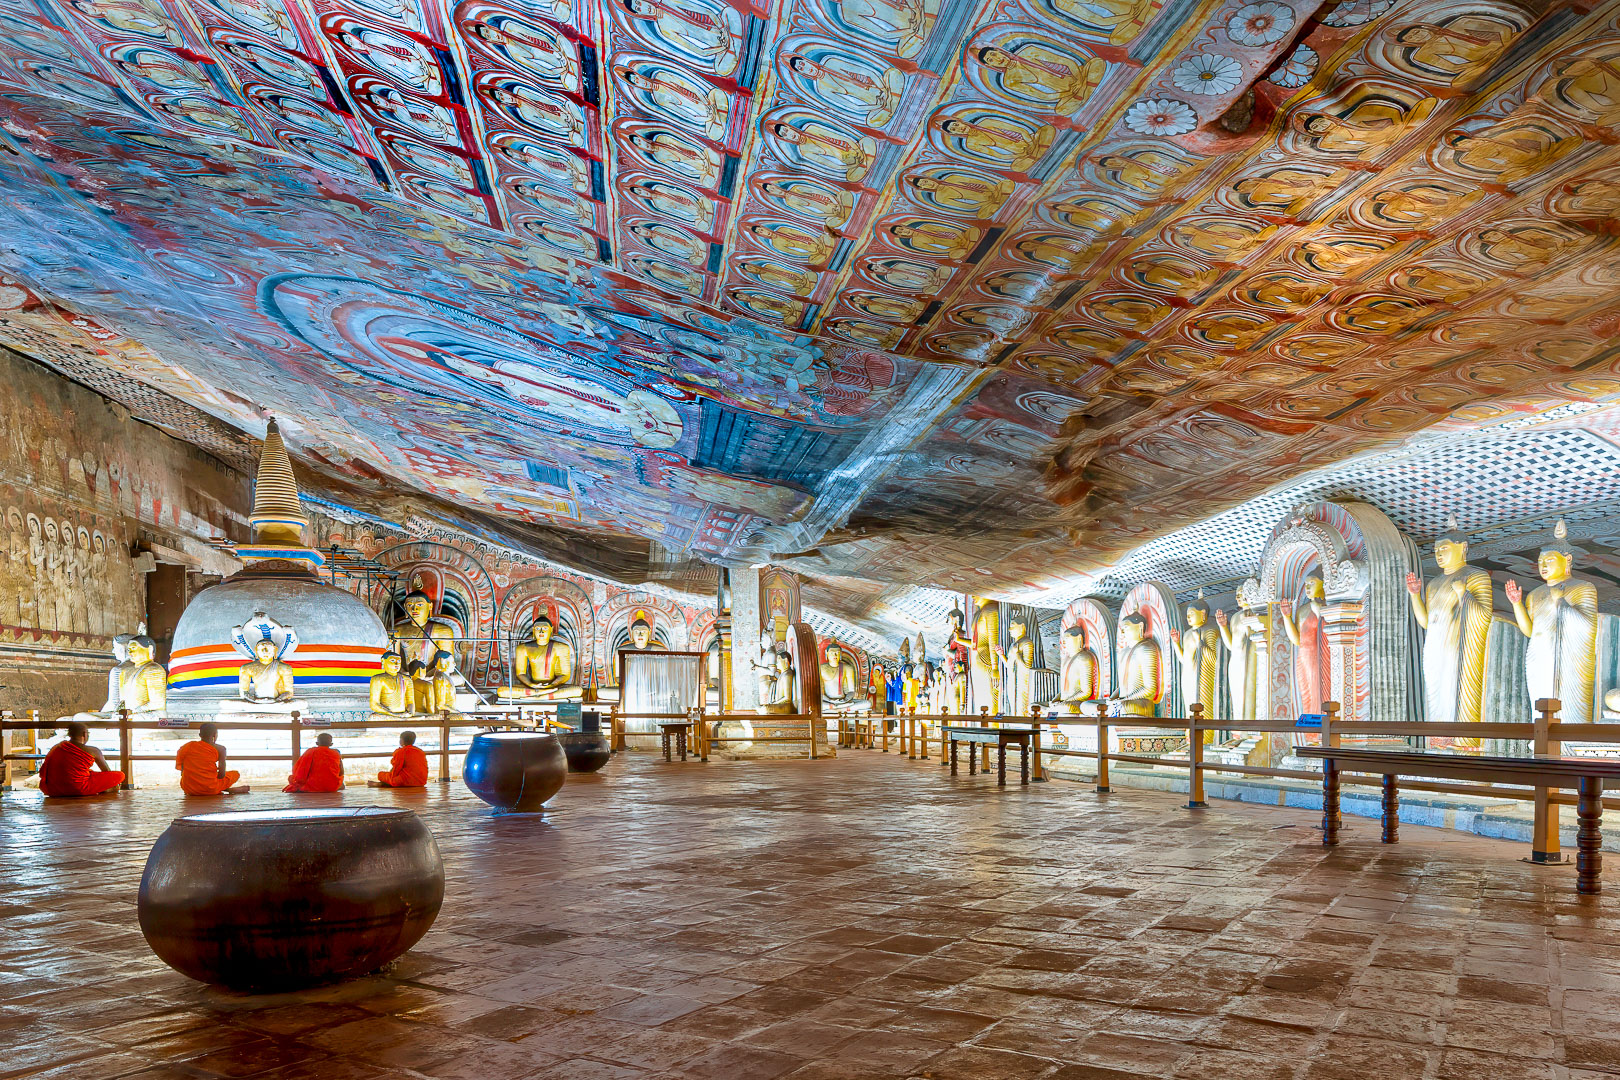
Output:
(837, 920)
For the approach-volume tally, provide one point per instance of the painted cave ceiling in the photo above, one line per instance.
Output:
(979, 295)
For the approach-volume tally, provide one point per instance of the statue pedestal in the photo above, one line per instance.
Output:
(528, 695)
(237, 709)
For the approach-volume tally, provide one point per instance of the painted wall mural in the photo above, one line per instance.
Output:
(992, 291)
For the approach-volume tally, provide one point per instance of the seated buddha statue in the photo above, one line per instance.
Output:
(419, 635)
(777, 691)
(840, 682)
(264, 684)
(393, 693)
(543, 668)
(1142, 673)
(441, 687)
(144, 688)
(115, 678)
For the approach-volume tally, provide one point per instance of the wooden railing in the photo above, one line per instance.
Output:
(1545, 735)
(705, 726)
(126, 727)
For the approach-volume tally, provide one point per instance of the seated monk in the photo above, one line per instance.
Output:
(407, 768)
(71, 768)
(202, 766)
(319, 769)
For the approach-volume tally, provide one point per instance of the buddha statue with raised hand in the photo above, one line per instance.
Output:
(1196, 649)
(1560, 619)
(1454, 609)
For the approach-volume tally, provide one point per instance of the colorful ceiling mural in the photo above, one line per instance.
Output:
(976, 294)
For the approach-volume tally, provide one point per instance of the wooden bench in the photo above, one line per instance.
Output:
(988, 737)
(1585, 775)
(678, 729)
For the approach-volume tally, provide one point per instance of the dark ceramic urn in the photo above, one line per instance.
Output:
(515, 771)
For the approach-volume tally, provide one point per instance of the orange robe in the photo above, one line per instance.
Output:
(320, 769)
(69, 771)
(198, 763)
(409, 768)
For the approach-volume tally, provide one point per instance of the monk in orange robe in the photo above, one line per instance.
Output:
(407, 768)
(319, 769)
(70, 769)
(202, 766)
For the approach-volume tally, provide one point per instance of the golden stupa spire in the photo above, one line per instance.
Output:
(278, 516)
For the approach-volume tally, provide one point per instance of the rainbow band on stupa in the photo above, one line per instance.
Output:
(315, 666)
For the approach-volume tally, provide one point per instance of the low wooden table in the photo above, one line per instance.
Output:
(1585, 775)
(998, 738)
(678, 729)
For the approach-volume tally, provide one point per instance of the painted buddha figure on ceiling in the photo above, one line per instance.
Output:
(1078, 681)
(1560, 619)
(542, 667)
(1141, 671)
(840, 681)
(1454, 609)
(1196, 649)
(419, 636)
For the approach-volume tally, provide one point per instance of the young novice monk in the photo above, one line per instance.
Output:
(202, 766)
(69, 770)
(408, 767)
(320, 769)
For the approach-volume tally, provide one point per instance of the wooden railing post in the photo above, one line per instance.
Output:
(615, 728)
(444, 747)
(702, 728)
(883, 724)
(1195, 759)
(984, 750)
(1037, 771)
(944, 740)
(126, 750)
(1544, 843)
(911, 733)
(6, 717)
(922, 737)
(1330, 723)
(1102, 748)
(295, 738)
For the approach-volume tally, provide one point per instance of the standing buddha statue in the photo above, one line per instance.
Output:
(1242, 669)
(1142, 670)
(958, 650)
(1304, 629)
(1196, 649)
(1560, 619)
(985, 661)
(1020, 665)
(1454, 610)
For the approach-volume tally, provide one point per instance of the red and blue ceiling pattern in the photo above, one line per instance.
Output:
(974, 293)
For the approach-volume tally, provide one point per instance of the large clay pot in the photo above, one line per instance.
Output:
(515, 770)
(280, 899)
(586, 751)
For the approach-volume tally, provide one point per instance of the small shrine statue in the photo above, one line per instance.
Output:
(840, 681)
(877, 687)
(393, 693)
(1142, 670)
(543, 667)
(1454, 610)
(986, 660)
(144, 688)
(1304, 630)
(267, 679)
(1078, 682)
(441, 686)
(1019, 662)
(1242, 667)
(641, 633)
(419, 635)
(1560, 619)
(115, 678)
(777, 692)
(1196, 649)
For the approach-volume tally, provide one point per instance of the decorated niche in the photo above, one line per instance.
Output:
(1332, 583)
(572, 616)
(463, 596)
(1136, 666)
(1086, 654)
(778, 603)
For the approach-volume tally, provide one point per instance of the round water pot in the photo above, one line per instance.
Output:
(586, 751)
(515, 770)
(268, 900)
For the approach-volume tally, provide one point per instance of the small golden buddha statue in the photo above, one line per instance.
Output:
(1142, 672)
(1560, 619)
(419, 636)
(144, 688)
(393, 693)
(840, 682)
(441, 686)
(265, 679)
(542, 667)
